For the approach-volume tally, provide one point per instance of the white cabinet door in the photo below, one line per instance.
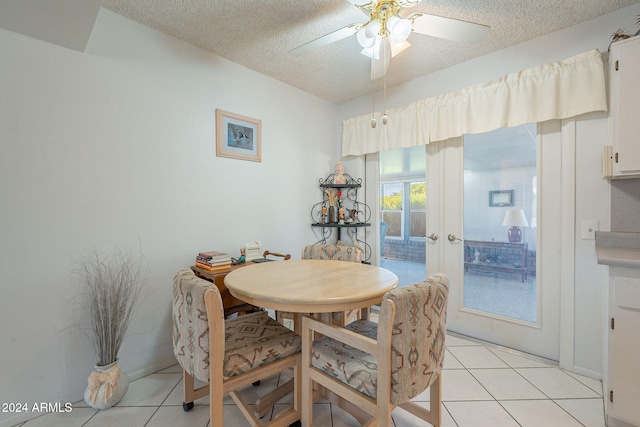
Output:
(624, 64)
(624, 347)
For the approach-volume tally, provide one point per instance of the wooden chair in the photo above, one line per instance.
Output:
(370, 368)
(337, 252)
(230, 354)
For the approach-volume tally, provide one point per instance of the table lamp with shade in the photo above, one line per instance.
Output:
(515, 219)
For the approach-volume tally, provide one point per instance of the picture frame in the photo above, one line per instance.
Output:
(238, 137)
(500, 198)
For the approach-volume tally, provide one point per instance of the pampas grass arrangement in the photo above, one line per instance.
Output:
(111, 288)
(111, 291)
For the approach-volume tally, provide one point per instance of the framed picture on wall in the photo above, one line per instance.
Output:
(499, 198)
(238, 137)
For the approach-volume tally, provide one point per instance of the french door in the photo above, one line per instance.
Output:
(469, 239)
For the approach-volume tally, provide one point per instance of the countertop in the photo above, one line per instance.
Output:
(618, 249)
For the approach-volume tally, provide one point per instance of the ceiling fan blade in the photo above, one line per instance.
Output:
(327, 39)
(448, 28)
(380, 66)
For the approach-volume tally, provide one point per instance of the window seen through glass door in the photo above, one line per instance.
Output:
(403, 213)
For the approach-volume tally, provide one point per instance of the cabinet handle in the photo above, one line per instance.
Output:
(452, 238)
(433, 237)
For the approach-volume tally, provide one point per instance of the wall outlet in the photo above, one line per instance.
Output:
(588, 229)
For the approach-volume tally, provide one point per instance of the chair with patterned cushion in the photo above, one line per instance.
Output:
(370, 368)
(230, 354)
(337, 252)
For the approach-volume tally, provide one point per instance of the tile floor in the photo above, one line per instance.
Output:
(482, 386)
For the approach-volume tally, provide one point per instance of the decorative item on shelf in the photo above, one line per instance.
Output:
(515, 218)
(352, 216)
(111, 289)
(333, 215)
(620, 34)
(339, 213)
(251, 250)
(339, 176)
(214, 261)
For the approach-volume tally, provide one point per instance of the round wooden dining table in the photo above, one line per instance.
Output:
(311, 285)
(308, 286)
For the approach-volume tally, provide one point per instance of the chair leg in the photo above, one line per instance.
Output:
(188, 391)
(435, 401)
(306, 382)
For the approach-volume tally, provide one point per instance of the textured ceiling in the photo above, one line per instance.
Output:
(258, 34)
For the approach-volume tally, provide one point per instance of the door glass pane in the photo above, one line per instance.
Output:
(499, 222)
(391, 204)
(418, 207)
(403, 213)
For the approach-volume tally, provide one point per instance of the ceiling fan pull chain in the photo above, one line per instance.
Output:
(385, 119)
(373, 107)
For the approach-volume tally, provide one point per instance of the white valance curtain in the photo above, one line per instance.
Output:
(556, 90)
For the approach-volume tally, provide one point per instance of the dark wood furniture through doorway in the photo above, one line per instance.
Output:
(504, 257)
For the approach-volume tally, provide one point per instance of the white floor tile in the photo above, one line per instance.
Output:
(518, 360)
(175, 416)
(453, 340)
(506, 384)
(402, 418)
(122, 416)
(460, 385)
(556, 384)
(77, 417)
(450, 362)
(151, 390)
(480, 414)
(175, 369)
(589, 412)
(538, 413)
(595, 385)
(477, 357)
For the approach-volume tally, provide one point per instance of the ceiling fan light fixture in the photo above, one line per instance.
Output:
(373, 52)
(368, 34)
(360, 2)
(399, 29)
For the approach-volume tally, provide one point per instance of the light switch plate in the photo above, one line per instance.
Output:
(588, 229)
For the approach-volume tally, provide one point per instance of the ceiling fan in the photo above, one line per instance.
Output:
(385, 34)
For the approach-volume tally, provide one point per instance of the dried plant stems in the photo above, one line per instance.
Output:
(111, 288)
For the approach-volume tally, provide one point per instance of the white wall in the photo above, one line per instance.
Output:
(592, 199)
(116, 147)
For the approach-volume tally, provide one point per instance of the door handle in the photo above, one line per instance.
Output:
(433, 237)
(452, 238)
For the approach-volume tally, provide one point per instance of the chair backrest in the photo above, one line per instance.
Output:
(190, 322)
(332, 252)
(417, 340)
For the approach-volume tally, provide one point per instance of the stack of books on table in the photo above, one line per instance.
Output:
(213, 261)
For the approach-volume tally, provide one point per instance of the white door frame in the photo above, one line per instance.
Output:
(565, 134)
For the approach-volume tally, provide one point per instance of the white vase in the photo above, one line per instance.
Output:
(106, 386)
